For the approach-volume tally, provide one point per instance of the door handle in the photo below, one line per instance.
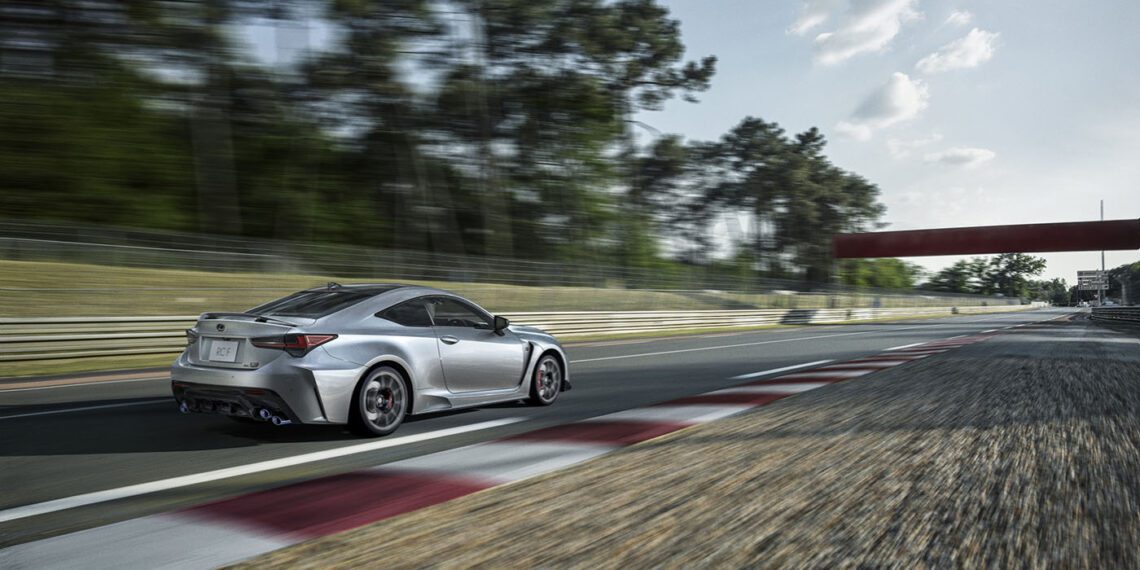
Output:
(448, 339)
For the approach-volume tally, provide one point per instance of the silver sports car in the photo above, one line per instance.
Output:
(365, 355)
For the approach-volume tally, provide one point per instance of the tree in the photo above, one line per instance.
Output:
(543, 96)
(960, 277)
(1054, 291)
(1010, 272)
(796, 198)
(1124, 283)
(488, 127)
(356, 88)
(880, 273)
(1006, 274)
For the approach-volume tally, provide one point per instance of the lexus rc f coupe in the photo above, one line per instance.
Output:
(363, 355)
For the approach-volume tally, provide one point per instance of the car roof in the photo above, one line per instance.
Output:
(378, 288)
(412, 291)
(374, 288)
(390, 292)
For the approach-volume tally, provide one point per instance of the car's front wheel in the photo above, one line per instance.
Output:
(380, 402)
(546, 382)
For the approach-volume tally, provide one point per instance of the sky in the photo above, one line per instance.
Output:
(964, 113)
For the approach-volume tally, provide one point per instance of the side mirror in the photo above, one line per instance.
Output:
(501, 324)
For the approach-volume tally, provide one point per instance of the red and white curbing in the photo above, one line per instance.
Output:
(235, 529)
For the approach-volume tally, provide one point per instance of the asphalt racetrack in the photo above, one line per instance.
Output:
(62, 443)
(1016, 449)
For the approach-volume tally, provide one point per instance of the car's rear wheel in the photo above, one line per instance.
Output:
(546, 382)
(380, 402)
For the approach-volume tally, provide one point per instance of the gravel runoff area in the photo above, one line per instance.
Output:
(1020, 451)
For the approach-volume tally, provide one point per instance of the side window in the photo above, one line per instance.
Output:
(451, 313)
(409, 313)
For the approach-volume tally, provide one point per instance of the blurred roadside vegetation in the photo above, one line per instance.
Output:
(1123, 283)
(1011, 275)
(97, 290)
(479, 127)
(498, 128)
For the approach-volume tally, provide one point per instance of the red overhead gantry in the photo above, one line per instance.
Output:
(1028, 238)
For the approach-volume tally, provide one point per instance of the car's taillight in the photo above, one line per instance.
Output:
(191, 337)
(294, 344)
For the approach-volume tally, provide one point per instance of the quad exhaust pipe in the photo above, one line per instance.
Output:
(263, 413)
(266, 414)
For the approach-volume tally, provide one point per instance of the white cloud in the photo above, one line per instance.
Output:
(971, 51)
(815, 12)
(960, 18)
(899, 99)
(857, 131)
(966, 157)
(899, 148)
(867, 26)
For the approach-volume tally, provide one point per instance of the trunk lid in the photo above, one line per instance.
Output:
(225, 340)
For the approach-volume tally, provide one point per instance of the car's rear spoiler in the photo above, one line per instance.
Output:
(256, 318)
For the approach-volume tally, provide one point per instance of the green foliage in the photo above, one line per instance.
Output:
(492, 127)
(797, 198)
(1006, 274)
(1010, 272)
(73, 152)
(1124, 283)
(880, 273)
(1054, 291)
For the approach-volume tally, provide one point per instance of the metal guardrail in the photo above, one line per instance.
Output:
(1118, 314)
(24, 339)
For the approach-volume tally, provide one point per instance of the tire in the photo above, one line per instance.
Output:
(380, 402)
(546, 382)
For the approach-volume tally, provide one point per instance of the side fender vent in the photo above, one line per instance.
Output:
(528, 353)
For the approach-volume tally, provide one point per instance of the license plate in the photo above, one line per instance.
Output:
(224, 350)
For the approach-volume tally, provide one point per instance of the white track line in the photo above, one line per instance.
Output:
(84, 409)
(903, 346)
(682, 414)
(498, 462)
(773, 388)
(778, 370)
(776, 341)
(865, 365)
(208, 476)
(825, 373)
(817, 337)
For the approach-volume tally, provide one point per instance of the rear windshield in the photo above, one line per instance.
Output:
(312, 304)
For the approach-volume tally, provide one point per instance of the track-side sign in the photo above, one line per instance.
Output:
(1092, 280)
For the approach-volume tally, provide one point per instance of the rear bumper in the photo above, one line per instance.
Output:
(238, 402)
(309, 390)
